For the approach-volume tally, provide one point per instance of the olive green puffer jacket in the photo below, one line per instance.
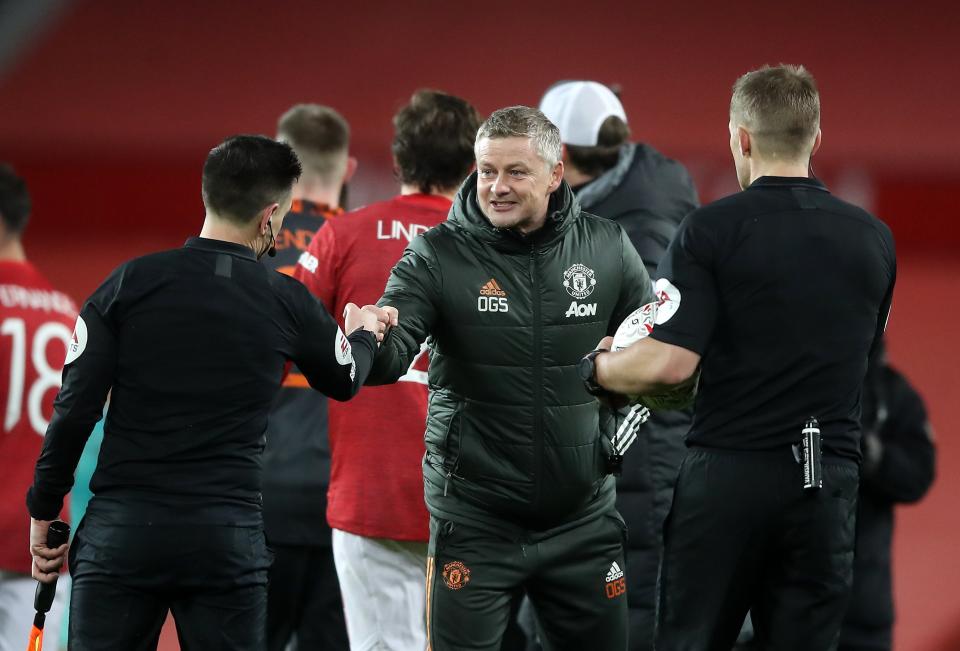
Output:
(512, 437)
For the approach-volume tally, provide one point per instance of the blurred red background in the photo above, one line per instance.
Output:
(110, 110)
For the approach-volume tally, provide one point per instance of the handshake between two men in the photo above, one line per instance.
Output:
(638, 370)
(377, 320)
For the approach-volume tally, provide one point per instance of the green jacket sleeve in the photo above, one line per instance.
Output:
(414, 288)
(636, 289)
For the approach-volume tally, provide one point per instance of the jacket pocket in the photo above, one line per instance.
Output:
(443, 429)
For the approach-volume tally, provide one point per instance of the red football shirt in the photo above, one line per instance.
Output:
(376, 439)
(36, 324)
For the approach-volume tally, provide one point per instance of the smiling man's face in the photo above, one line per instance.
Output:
(514, 183)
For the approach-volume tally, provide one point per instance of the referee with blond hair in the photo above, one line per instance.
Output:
(782, 290)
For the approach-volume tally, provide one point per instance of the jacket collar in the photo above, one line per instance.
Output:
(219, 246)
(600, 188)
(788, 182)
(562, 211)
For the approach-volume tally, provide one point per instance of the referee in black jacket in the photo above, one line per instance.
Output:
(779, 293)
(193, 343)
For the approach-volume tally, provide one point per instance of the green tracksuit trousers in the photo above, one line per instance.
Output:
(574, 575)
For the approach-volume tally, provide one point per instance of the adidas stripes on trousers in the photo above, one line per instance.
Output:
(574, 576)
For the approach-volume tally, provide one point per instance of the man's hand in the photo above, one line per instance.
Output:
(386, 314)
(371, 318)
(46, 562)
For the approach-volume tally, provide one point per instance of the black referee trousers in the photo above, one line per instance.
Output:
(127, 578)
(742, 535)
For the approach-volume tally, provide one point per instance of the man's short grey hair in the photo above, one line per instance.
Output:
(780, 107)
(524, 122)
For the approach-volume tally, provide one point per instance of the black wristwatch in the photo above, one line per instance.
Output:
(587, 369)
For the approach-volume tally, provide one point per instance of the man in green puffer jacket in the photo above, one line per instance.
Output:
(510, 293)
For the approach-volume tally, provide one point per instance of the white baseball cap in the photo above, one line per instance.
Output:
(578, 108)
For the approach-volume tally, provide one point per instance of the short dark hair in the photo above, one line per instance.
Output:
(780, 107)
(594, 161)
(318, 134)
(244, 174)
(433, 140)
(14, 201)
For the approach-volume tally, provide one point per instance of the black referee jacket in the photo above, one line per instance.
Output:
(193, 343)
